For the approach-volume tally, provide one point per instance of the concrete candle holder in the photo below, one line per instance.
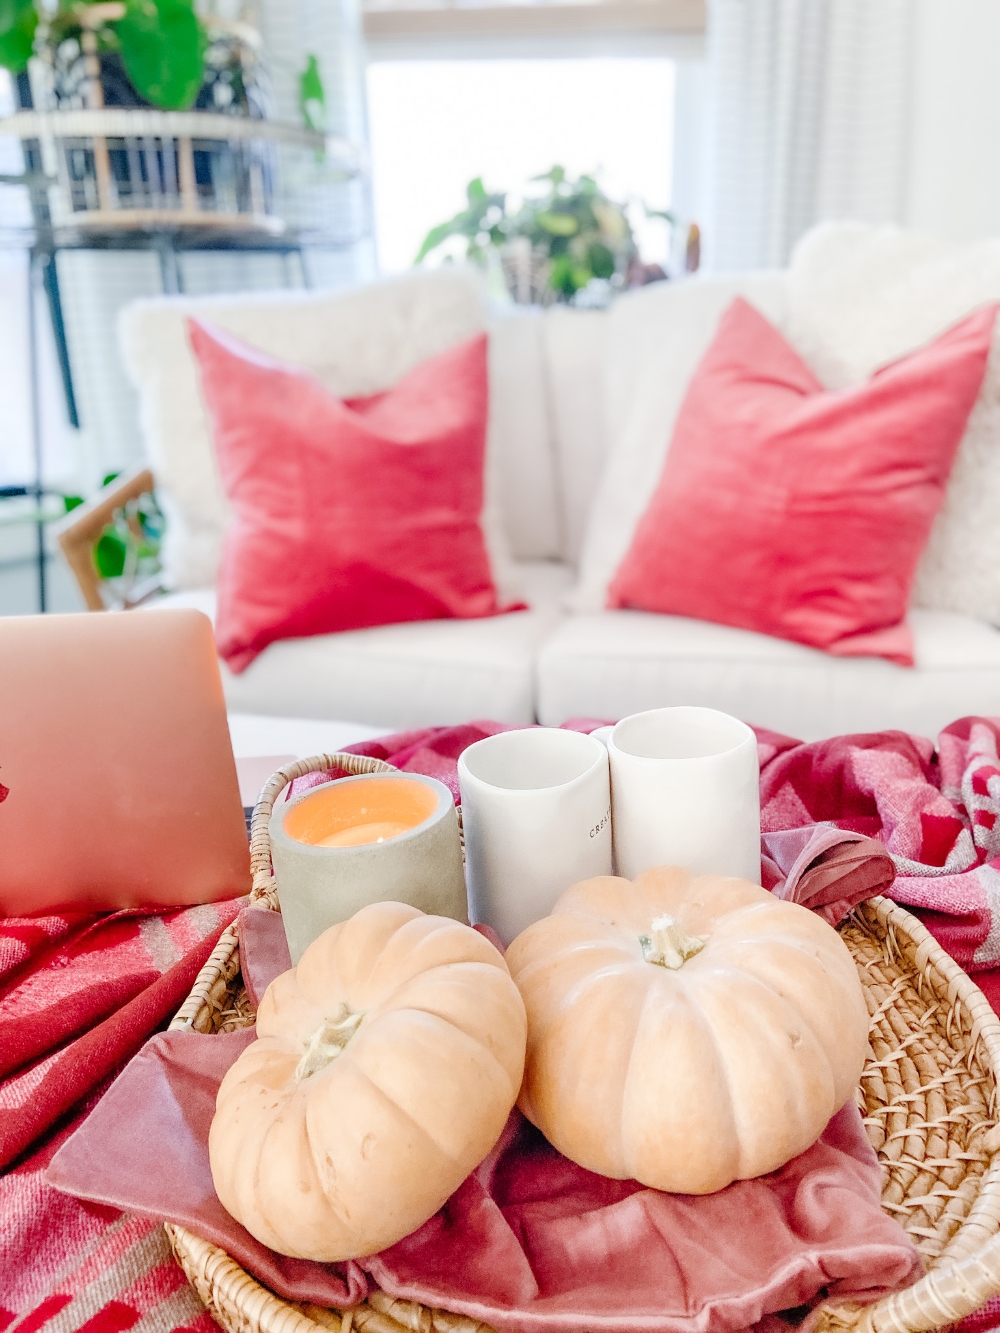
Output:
(373, 838)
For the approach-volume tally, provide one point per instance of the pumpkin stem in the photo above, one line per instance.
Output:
(328, 1041)
(669, 945)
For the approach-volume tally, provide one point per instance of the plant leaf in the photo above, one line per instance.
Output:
(601, 259)
(485, 215)
(435, 237)
(110, 551)
(163, 47)
(18, 21)
(555, 176)
(311, 81)
(312, 96)
(561, 276)
(558, 224)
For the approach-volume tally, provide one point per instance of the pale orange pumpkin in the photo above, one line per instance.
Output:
(385, 1067)
(685, 1032)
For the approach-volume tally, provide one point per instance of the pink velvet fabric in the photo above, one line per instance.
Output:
(530, 1242)
(797, 511)
(825, 868)
(346, 512)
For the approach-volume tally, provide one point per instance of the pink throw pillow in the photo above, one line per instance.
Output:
(346, 512)
(798, 511)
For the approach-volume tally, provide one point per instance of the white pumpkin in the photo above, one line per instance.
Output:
(686, 1032)
(385, 1067)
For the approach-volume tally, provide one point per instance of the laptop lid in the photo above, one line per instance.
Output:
(115, 753)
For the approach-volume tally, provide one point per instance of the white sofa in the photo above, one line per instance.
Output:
(582, 405)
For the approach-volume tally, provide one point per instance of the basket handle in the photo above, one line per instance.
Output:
(938, 1300)
(262, 890)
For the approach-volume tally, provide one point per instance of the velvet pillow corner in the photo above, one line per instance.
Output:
(797, 511)
(347, 513)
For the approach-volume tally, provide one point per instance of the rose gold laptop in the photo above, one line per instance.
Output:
(115, 753)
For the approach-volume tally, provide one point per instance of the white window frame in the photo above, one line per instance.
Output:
(557, 30)
(524, 30)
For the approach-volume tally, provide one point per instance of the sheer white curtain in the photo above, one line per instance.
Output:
(810, 110)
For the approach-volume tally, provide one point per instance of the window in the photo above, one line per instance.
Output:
(437, 123)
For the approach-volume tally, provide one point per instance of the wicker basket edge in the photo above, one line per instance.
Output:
(936, 1301)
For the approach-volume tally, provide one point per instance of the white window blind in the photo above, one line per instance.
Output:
(810, 120)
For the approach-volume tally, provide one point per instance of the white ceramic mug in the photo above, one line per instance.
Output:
(536, 810)
(685, 791)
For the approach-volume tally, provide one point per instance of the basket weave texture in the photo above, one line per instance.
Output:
(928, 1097)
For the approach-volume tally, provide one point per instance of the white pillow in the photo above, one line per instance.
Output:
(655, 338)
(575, 354)
(520, 437)
(357, 342)
(862, 296)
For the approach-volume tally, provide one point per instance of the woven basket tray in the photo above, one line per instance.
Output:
(928, 1096)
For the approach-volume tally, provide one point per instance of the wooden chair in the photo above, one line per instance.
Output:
(78, 533)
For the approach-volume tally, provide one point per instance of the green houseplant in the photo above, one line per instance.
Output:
(128, 548)
(553, 244)
(160, 44)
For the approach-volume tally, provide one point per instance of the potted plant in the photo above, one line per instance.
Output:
(141, 52)
(561, 242)
(150, 54)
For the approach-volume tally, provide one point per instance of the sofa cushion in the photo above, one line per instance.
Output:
(348, 513)
(655, 338)
(520, 437)
(798, 511)
(575, 343)
(394, 676)
(621, 662)
(357, 343)
(862, 296)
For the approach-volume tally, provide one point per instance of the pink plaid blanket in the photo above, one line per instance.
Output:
(77, 998)
(936, 809)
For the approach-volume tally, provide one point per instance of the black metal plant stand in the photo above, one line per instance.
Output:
(168, 245)
(169, 183)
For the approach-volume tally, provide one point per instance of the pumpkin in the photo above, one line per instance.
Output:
(385, 1067)
(685, 1032)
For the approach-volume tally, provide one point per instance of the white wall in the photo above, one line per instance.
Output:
(953, 185)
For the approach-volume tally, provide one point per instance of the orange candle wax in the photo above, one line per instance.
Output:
(352, 814)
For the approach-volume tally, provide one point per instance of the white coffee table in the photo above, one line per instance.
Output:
(255, 735)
